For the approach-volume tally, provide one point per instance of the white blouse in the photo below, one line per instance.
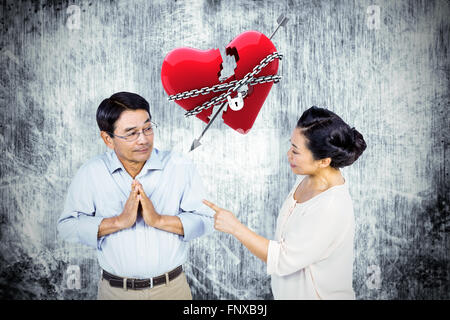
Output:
(312, 254)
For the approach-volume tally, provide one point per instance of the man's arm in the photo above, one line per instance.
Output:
(152, 218)
(195, 220)
(126, 219)
(170, 224)
(108, 226)
(78, 222)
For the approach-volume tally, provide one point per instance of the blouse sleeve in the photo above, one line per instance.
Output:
(307, 238)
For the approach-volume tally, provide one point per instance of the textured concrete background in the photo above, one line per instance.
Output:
(386, 73)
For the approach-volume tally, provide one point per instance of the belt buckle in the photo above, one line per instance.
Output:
(151, 283)
(167, 278)
(132, 283)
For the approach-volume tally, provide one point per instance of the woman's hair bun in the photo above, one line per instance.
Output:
(359, 142)
(329, 136)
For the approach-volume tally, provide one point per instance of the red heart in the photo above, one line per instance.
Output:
(186, 69)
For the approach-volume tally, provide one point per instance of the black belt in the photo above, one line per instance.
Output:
(132, 283)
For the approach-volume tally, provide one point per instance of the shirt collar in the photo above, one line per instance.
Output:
(153, 163)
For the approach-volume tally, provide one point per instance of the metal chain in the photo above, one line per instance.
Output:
(248, 79)
(221, 87)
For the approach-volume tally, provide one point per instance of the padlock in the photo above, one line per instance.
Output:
(237, 103)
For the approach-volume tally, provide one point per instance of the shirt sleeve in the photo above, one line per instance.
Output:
(78, 222)
(307, 239)
(197, 219)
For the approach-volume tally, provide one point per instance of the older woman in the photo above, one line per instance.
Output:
(311, 256)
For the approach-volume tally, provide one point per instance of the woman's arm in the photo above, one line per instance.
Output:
(225, 221)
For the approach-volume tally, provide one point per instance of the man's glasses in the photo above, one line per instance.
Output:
(133, 136)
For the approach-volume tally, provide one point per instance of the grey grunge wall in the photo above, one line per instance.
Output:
(382, 65)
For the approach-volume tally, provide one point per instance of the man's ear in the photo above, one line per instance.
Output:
(107, 139)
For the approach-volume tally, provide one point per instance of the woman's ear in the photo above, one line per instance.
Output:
(325, 162)
(107, 139)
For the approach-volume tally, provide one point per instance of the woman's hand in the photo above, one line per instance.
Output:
(224, 220)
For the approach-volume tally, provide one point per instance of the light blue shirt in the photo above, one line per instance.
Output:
(100, 189)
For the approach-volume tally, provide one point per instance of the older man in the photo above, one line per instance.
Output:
(137, 206)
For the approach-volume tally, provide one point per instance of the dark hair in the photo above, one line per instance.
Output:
(111, 108)
(328, 136)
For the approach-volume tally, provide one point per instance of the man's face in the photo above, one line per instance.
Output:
(136, 151)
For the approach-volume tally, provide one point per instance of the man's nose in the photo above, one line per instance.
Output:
(142, 138)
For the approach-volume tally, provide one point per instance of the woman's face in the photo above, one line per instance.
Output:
(300, 157)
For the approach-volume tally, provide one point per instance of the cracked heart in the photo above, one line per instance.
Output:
(185, 69)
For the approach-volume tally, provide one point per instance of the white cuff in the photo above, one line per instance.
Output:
(272, 256)
(88, 230)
